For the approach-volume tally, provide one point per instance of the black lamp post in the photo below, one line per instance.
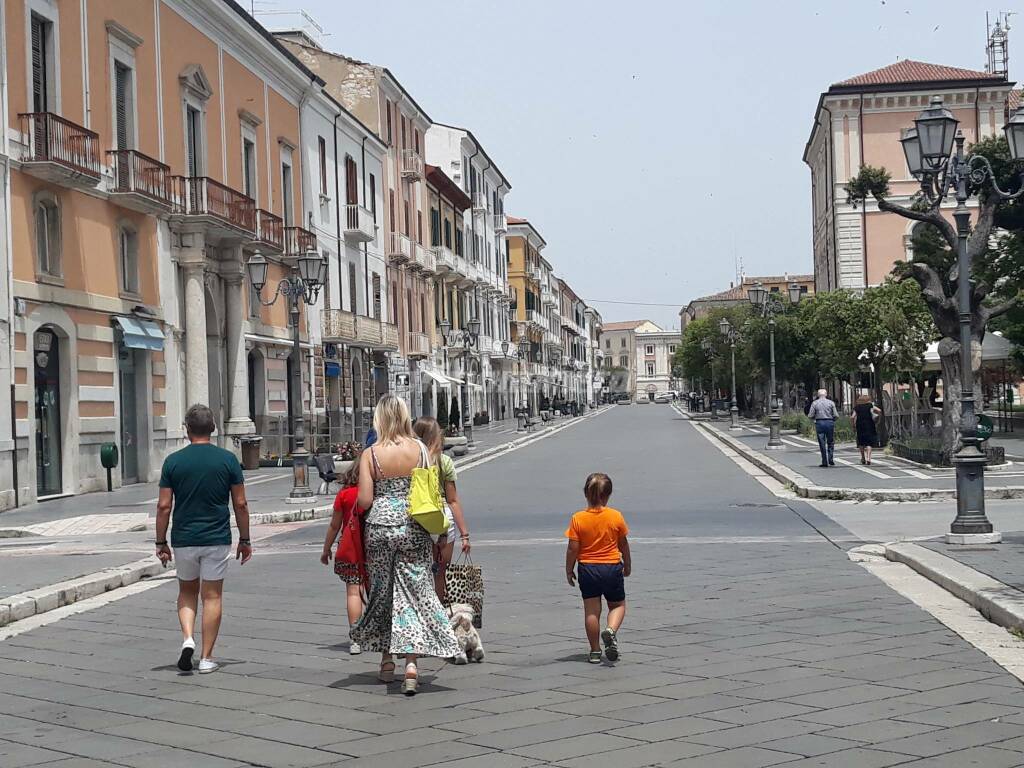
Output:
(302, 286)
(468, 341)
(731, 334)
(709, 355)
(941, 169)
(769, 306)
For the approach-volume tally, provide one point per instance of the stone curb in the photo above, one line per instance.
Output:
(999, 603)
(805, 488)
(290, 515)
(49, 598)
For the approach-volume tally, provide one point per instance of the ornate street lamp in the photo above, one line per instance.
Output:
(731, 334)
(709, 355)
(765, 302)
(302, 286)
(944, 169)
(468, 341)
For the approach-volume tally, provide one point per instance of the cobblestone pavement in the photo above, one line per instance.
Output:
(751, 640)
(1004, 562)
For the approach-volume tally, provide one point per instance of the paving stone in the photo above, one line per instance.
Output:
(267, 753)
(12, 754)
(754, 734)
(662, 730)
(810, 744)
(960, 714)
(513, 738)
(877, 731)
(172, 757)
(984, 757)
(756, 712)
(586, 745)
(744, 757)
(857, 758)
(639, 756)
(951, 739)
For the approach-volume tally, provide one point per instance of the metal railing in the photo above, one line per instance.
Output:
(412, 164)
(203, 196)
(298, 241)
(52, 138)
(269, 229)
(479, 198)
(359, 222)
(444, 258)
(339, 326)
(424, 258)
(136, 173)
(418, 345)
(500, 222)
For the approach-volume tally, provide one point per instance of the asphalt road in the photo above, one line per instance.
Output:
(751, 640)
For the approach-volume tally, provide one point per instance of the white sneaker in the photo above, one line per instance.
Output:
(354, 648)
(185, 659)
(206, 666)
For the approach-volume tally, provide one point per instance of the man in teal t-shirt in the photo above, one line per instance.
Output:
(197, 482)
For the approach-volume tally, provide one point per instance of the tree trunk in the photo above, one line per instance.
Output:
(879, 398)
(949, 355)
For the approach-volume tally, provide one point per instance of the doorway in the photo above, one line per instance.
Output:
(49, 467)
(129, 416)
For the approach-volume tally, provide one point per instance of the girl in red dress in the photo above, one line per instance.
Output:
(350, 558)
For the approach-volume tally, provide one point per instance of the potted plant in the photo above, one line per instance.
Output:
(345, 455)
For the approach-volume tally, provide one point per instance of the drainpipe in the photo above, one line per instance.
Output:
(366, 252)
(863, 208)
(6, 236)
(830, 154)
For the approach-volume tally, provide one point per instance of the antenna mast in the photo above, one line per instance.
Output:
(997, 46)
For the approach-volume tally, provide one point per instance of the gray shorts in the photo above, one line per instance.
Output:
(206, 563)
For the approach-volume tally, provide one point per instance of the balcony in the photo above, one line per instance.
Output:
(479, 198)
(140, 183)
(298, 241)
(548, 296)
(412, 165)
(534, 273)
(220, 211)
(423, 259)
(444, 260)
(513, 297)
(418, 345)
(269, 231)
(359, 224)
(340, 327)
(60, 151)
(399, 249)
(500, 223)
(535, 317)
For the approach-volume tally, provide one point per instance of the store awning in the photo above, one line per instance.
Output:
(137, 333)
(440, 380)
(994, 349)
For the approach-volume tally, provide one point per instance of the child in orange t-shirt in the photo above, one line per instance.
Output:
(597, 541)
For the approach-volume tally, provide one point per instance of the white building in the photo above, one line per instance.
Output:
(653, 365)
(461, 157)
(595, 356)
(342, 167)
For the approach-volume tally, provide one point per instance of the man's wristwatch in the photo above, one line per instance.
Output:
(245, 542)
(161, 543)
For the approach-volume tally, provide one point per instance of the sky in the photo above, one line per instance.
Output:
(653, 144)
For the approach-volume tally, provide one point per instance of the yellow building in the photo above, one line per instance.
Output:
(143, 172)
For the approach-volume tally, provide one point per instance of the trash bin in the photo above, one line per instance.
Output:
(251, 452)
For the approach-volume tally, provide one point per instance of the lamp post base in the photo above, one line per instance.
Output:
(974, 538)
(301, 493)
(734, 418)
(971, 521)
(774, 439)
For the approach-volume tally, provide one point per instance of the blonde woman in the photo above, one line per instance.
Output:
(403, 615)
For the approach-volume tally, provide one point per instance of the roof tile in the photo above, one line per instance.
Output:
(910, 71)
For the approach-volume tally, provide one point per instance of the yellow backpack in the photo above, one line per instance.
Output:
(425, 504)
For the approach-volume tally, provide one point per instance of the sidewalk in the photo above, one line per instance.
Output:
(889, 478)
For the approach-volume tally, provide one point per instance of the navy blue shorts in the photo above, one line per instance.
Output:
(602, 580)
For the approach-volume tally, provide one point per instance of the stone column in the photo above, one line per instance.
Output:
(197, 383)
(238, 421)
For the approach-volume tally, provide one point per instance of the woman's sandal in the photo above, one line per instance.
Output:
(387, 672)
(410, 683)
(594, 657)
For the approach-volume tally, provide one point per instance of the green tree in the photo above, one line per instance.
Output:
(997, 264)
(887, 328)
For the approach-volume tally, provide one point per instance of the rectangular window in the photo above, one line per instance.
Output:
(622, 342)
(406, 229)
(128, 245)
(408, 309)
(650, 369)
(48, 237)
(447, 233)
(373, 197)
(671, 349)
(419, 227)
(351, 181)
(435, 227)
(249, 167)
(42, 64)
(321, 146)
(607, 343)
(403, 132)
(393, 309)
(458, 242)
(353, 293)
(286, 190)
(124, 111)
(391, 209)
(376, 296)
(387, 109)
(624, 361)
(649, 349)
(416, 136)
(193, 140)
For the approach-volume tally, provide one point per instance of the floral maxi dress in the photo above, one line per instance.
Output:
(403, 615)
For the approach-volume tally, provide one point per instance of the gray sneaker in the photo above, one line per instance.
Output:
(611, 644)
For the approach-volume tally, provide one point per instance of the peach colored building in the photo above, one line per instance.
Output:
(859, 122)
(151, 148)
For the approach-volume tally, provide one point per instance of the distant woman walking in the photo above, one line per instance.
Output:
(865, 414)
(403, 615)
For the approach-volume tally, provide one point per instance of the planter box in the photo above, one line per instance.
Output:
(341, 467)
(452, 442)
(938, 458)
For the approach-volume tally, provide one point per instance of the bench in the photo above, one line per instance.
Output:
(532, 422)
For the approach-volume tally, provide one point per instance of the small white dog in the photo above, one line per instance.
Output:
(467, 635)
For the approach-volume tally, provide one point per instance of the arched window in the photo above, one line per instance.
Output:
(47, 225)
(128, 258)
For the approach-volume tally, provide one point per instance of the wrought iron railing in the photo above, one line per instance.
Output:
(298, 241)
(269, 229)
(203, 196)
(137, 173)
(52, 138)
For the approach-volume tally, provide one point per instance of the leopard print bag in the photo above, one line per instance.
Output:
(464, 583)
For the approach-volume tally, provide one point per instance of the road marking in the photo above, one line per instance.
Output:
(914, 473)
(862, 468)
(992, 640)
(770, 483)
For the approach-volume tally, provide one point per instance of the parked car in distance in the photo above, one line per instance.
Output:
(642, 397)
(663, 397)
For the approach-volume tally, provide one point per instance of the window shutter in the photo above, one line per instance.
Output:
(376, 296)
(122, 82)
(39, 96)
(190, 140)
(352, 293)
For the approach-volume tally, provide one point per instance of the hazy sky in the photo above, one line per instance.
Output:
(651, 143)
